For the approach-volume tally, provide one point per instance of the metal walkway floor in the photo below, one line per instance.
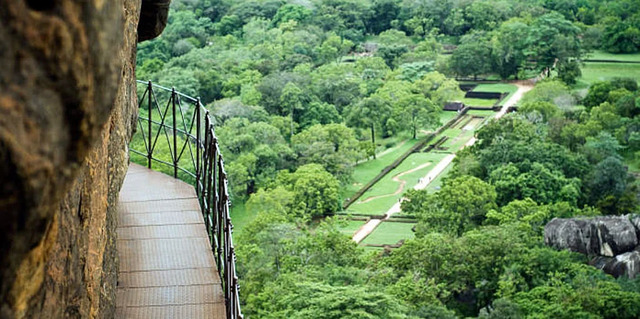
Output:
(167, 269)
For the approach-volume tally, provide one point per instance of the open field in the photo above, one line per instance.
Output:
(390, 233)
(602, 55)
(596, 71)
(379, 198)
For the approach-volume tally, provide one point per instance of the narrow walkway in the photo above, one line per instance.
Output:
(167, 269)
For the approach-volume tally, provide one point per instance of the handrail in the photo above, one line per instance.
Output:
(204, 169)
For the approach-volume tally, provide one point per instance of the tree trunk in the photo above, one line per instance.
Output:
(373, 140)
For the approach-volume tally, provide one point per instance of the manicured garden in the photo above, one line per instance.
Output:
(479, 102)
(379, 198)
(497, 87)
(390, 233)
(367, 170)
(349, 227)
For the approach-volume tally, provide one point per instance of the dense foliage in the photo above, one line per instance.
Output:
(303, 90)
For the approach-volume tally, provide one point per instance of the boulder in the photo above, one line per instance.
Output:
(603, 236)
(635, 220)
(153, 18)
(627, 264)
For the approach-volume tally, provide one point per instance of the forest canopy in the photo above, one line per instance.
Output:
(304, 91)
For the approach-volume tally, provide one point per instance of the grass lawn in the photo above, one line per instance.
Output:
(349, 227)
(437, 183)
(457, 136)
(387, 186)
(453, 145)
(390, 233)
(497, 87)
(479, 102)
(595, 71)
(485, 113)
(446, 116)
(366, 171)
(602, 55)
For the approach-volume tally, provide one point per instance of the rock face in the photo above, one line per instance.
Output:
(153, 18)
(623, 264)
(613, 240)
(604, 236)
(68, 105)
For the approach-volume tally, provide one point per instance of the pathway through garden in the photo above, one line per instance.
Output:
(397, 179)
(370, 226)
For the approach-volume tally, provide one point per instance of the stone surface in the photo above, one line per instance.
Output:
(603, 236)
(153, 18)
(624, 264)
(68, 105)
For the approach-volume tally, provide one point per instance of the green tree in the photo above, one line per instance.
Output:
(472, 57)
(382, 14)
(370, 113)
(315, 191)
(620, 37)
(291, 12)
(415, 112)
(554, 41)
(569, 72)
(546, 109)
(459, 206)
(509, 44)
(334, 47)
(333, 146)
(439, 89)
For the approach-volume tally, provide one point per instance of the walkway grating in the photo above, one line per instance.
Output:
(167, 269)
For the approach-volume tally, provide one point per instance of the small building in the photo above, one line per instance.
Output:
(453, 106)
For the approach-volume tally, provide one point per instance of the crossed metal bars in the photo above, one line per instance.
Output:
(205, 169)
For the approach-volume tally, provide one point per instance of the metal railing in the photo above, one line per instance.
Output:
(194, 156)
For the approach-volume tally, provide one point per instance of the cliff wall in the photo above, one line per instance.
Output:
(68, 105)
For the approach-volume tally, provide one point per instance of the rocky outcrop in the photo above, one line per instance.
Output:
(604, 236)
(68, 105)
(612, 240)
(623, 264)
(153, 18)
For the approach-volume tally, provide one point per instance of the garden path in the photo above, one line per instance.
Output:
(370, 226)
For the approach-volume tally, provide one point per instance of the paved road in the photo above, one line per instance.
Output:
(371, 225)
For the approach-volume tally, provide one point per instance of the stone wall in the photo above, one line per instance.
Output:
(68, 105)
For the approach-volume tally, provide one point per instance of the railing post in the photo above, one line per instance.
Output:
(174, 129)
(198, 171)
(150, 152)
